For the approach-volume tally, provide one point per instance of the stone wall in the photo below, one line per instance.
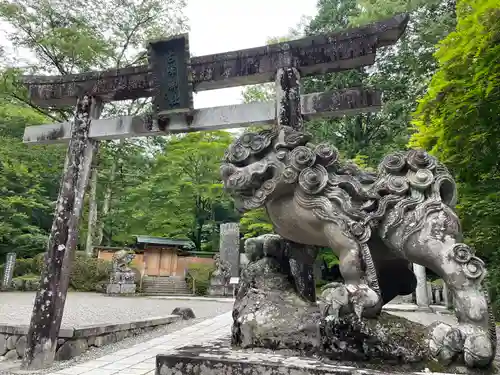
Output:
(74, 341)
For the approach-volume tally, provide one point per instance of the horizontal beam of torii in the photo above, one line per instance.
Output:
(335, 104)
(313, 55)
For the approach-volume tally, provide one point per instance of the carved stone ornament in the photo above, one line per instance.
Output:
(375, 221)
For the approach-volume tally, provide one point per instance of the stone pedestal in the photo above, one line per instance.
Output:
(218, 287)
(120, 289)
(218, 357)
(121, 282)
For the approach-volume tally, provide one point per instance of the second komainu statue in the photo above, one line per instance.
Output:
(376, 223)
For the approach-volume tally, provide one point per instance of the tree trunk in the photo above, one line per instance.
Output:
(51, 296)
(107, 198)
(92, 218)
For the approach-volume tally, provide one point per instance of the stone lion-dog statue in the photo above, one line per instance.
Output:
(376, 223)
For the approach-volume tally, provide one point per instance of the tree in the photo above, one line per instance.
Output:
(400, 72)
(69, 37)
(28, 184)
(183, 195)
(457, 118)
(255, 223)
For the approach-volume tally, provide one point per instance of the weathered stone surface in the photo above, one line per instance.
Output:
(11, 342)
(3, 344)
(185, 312)
(120, 335)
(49, 304)
(105, 339)
(220, 277)
(218, 357)
(229, 247)
(127, 289)
(337, 103)
(113, 289)
(21, 345)
(91, 340)
(172, 92)
(11, 355)
(70, 349)
(271, 314)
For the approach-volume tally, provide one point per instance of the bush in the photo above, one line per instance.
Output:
(89, 274)
(28, 282)
(199, 274)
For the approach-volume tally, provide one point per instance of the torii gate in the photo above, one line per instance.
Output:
(170, 78)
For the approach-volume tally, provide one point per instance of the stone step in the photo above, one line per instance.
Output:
(186, 290)
(167, 294)
(165, 286)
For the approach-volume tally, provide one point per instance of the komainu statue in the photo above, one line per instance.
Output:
(376, 223)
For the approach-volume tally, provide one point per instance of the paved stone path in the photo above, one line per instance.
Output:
(140, 359)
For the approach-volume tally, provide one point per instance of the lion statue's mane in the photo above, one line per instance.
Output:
(261, 165)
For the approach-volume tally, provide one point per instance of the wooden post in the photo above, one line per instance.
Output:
(49, 302)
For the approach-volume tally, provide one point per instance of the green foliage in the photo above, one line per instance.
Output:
(456, 118)
(28, 266)
(65, 37)
(182, 197)
(326, 254)
(198, 276)
(87, 274)
(29, 179)
(255, 223)
(400, 72)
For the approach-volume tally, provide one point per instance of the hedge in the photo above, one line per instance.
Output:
(87, 274)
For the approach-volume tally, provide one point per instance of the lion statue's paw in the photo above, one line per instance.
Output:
(338, 299)
(447, 342)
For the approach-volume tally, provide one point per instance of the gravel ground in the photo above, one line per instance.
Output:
(83, 307)
(91, 308)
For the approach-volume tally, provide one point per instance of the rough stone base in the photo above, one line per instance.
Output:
(217, 288)
(120, 289)
(218, 358)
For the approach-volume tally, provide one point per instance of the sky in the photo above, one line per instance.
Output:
(226, 25)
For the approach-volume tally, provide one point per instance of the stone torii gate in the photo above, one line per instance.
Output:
(170, 78)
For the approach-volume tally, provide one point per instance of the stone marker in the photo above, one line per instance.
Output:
(8, 272)
(229, 247)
